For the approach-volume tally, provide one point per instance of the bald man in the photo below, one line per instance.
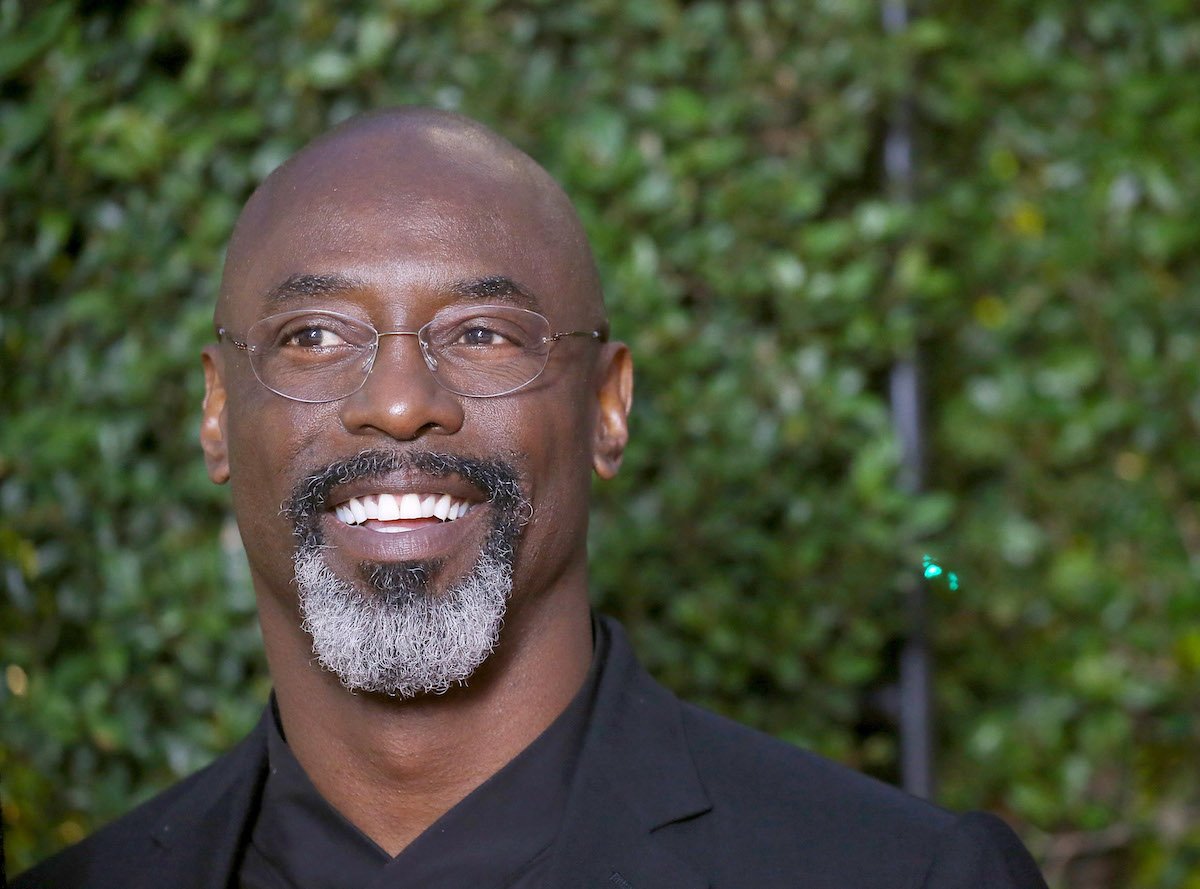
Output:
(411, 387)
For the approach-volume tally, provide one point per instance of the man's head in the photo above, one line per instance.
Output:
(411, 518)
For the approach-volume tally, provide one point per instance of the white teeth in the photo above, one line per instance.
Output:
(410, 507)
(441, 508)
(389, 509)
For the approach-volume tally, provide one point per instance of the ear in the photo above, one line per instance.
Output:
(212, 422)
(615, 398)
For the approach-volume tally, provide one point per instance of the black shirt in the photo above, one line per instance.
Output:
(498, 837)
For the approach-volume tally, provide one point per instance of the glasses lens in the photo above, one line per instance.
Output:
(311, 356)
(484, 351)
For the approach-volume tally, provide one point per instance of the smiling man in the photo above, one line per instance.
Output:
(411, 388)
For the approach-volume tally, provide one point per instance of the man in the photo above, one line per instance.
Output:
(412, 386)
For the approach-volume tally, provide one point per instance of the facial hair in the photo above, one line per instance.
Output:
(388, 630)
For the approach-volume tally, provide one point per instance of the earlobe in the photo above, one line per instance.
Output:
(212, 422)
(615, 398)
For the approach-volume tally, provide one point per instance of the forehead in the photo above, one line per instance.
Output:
(412, 220)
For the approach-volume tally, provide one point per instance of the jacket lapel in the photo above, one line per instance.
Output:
(635, 779)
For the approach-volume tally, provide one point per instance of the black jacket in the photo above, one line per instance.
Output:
(667, 796)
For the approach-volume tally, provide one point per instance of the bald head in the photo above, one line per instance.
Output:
(439, 175)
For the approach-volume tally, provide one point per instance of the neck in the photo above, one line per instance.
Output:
(393, 767)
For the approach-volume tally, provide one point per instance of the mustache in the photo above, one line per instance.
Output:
(496, 479)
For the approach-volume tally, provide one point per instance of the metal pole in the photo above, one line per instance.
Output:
(916, 666)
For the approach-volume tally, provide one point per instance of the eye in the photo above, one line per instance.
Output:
(312, 336)
(479, 334)
(495, 331)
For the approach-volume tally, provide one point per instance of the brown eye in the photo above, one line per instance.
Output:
(479, 335)
(313, 337)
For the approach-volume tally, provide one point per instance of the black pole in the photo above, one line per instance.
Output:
(916, 663)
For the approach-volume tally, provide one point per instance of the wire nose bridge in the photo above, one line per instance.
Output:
(426, 355)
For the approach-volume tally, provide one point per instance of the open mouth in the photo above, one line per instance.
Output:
(397, 513)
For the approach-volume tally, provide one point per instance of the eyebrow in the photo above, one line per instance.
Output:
(495, 287)
(300, 286)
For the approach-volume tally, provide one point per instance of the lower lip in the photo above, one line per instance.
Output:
(426, 541)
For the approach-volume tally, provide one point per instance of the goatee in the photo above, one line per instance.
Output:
(389, 630)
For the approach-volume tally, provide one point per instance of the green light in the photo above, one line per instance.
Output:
(932, 569)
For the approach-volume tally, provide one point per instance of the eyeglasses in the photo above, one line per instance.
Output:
(479, 351)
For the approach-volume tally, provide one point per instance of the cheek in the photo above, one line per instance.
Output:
(558, 450)
(270, 436)
(266, 438)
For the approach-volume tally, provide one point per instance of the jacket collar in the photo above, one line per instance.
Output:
(636, 778)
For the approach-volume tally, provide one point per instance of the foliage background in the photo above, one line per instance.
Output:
(726, 157)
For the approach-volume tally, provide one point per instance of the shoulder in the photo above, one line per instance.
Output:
(793, 817)
(763, 812)
(794, 812)
(781, 799)
(118, 849)
(127, 852)
(739, 764)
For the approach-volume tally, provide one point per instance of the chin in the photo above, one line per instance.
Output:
(393, 632)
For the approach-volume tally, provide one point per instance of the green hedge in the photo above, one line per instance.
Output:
(727, 159)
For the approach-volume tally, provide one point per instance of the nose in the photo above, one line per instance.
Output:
(400, 397)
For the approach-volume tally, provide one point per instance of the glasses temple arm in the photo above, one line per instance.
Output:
(600, 335)
(224, 334)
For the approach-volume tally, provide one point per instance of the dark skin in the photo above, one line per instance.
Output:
(411, 204)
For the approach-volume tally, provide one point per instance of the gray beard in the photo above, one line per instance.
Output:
(404, 644)
(390, 630)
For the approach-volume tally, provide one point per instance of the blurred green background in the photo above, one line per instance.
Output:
(727, 160)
